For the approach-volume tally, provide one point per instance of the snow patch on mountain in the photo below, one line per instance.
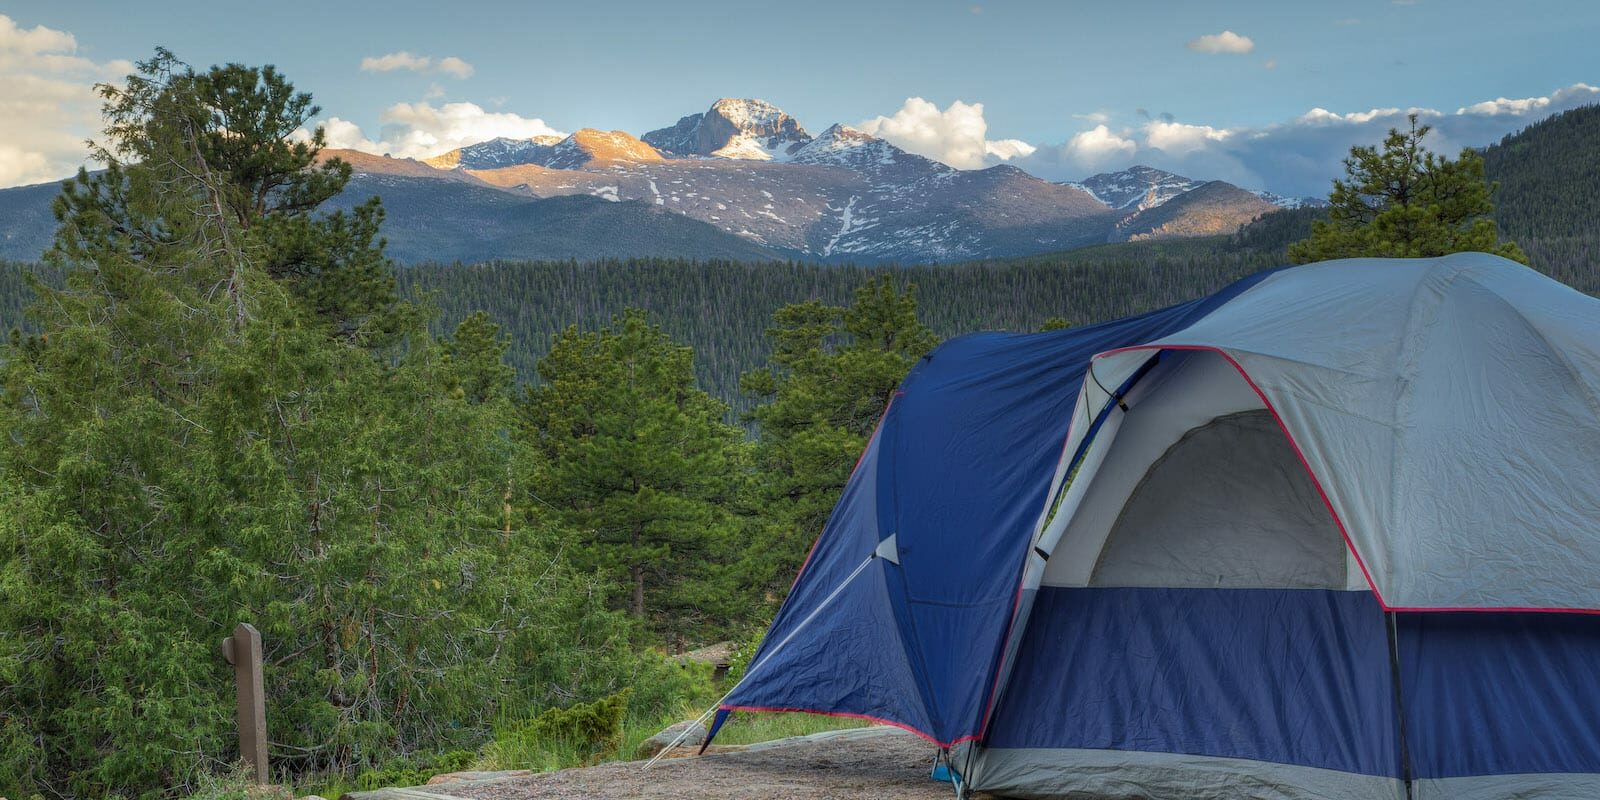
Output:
(1136, 188)
(496, 153)
(1292, 202)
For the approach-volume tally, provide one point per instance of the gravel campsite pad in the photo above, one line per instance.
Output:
(860, 763)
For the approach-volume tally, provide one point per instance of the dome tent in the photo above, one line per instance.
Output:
(1333, 531)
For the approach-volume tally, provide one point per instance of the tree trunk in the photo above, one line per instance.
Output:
(638, 590)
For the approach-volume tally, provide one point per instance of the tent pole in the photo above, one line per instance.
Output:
(750, 670)
(1399, 699)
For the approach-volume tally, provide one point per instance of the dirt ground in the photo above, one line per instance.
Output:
(862, 763)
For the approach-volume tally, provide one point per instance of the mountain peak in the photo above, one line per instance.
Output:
(741, 128)
(1136, 188)
(594, 146)
(843, 146)
(501, 151)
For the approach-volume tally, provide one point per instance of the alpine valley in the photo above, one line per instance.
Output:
(742, 181)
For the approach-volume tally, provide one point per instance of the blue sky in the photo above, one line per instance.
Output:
(1044, 72)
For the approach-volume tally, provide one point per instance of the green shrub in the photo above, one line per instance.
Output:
(577, 735)
(414, 770)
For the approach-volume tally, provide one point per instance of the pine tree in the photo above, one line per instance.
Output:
(833, 372)
(639, 463)
(1402, 201)
(229, 134)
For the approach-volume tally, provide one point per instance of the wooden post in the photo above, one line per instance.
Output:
(243, 651)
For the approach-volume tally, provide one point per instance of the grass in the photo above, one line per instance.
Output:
(520, 742)
(749, 728)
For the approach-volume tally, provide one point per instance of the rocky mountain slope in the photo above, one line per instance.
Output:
(1135, 188)
(437, 215)
(732, 128)
(501, 152)
(1209, 208)
(744, 179)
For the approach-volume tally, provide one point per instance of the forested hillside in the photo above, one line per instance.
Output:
(722, 309)
(1549, 177)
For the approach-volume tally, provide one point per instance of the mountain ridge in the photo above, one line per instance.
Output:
(747, 170)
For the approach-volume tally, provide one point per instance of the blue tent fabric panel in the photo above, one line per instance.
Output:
(1501, 693)
(846, 660)
(959, 468)
(1291, 676)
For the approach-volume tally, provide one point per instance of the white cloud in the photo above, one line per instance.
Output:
(420, 130)
(1296, 157)
(396, 61)
(1099, 146)
(1225, 42)
(1576, 94)
(1179, 138)
(957, 135)
(450, 65)
(404, 60)
(48, 102)
(1007, 149)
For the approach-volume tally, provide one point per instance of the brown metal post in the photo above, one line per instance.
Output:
(243, 651)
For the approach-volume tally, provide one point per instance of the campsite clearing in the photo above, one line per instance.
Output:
(858, 763)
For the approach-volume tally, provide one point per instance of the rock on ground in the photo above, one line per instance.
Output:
(660, 741)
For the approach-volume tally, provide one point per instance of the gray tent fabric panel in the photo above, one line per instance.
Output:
(1182, 392)
(1114, 774)
(1228, 506)
(1546, 786)
(1450, 409)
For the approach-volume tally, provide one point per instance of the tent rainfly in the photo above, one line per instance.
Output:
(1331, 532)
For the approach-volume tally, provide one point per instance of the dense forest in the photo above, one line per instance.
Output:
(722, 309)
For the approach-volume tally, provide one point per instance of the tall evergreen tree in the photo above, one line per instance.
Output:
(639, 462)
(1402, 201)
(833, 372)
(234, 134)
(192, 441)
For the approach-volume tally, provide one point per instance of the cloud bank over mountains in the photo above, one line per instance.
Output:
(957, 135)
(420, 130)
(1295, 157)
(48, 102)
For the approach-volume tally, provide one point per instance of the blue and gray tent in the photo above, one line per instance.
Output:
(1332, 532)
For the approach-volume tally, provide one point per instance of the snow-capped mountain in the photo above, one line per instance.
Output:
(501, 152)
(745, 178)
(733, 128)
(751, 170)
(1139, 188)
(843, 195)
(585, 147)
(1292, 202)
(1135, 188)
(844, 146)
(591, 147)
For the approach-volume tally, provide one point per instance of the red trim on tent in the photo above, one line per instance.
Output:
(850, 715)
(1315, 481)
